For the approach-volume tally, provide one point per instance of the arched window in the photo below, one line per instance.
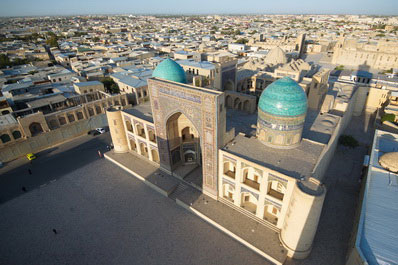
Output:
(35, 128)
(16, 134)
(155, 155)
(62, 120)
(276, 189)
(229, 169)
(79, 115)
(5, 138)
(71, 118)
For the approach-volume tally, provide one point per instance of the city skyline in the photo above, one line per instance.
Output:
(74, 7)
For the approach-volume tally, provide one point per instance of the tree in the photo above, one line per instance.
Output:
(242, 41)
(388, 117)
(4, 61)
(110, 85)
(237, 32)
(52, 41)
(348, 140)
(339, 68)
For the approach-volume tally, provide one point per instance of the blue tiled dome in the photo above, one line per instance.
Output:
(284, 97)
(170, 70)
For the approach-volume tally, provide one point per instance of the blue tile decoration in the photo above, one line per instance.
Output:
(170, 70)
(284, 97)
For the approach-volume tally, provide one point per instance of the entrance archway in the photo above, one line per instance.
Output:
(35, 128)
(228, 101)
(229, 85)
(183, 140)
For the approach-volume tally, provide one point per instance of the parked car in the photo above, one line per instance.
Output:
(30, 156)
(100, 130)
(93, 132)
(1, 164)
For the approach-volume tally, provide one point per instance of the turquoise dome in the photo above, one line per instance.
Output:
(170, 70)
(284, 97)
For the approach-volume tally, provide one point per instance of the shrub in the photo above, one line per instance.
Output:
(388, 117)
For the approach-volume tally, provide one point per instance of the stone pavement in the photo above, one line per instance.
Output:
(259, 238)
(103, 216)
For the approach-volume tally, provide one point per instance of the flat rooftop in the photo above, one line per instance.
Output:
(142, 111)
(7, 119)
(202, 64)
(46, 101)
(297, 162)
(377, 235)
(317, 127)
(88, 83)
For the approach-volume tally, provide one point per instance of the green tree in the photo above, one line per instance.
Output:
(348, 140)
(339, 68)
(242, 41)
(52, 41)
(4, 61)
(388, 117)
(237, 32)
(110, 85)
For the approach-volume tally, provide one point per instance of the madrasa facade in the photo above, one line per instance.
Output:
(269, 164)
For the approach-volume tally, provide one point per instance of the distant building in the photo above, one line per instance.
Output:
(88, 87)
(363, 56)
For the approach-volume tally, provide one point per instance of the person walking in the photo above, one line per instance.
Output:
(99, 153)
(30, 171)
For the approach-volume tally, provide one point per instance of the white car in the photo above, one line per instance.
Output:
(100, 130)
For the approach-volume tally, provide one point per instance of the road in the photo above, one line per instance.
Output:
(101, 215)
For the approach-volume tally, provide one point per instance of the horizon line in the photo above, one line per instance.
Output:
(198, 14)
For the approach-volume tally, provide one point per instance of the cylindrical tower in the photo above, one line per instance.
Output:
(116, 128)
(302, 217)
(281, 113)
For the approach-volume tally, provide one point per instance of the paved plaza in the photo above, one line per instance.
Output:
(101, 217)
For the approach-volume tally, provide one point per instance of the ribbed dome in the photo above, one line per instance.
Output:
(170, 70)
(276, 56)
(284, 97)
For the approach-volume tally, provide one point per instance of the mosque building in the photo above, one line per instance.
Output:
(269, 164)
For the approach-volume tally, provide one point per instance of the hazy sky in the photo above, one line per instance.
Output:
(70, 7)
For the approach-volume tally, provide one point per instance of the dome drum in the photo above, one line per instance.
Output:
(282, 110)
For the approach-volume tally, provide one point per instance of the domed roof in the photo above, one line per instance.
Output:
(389, 161)
(284, 97)
(276, 56)
(170, 70)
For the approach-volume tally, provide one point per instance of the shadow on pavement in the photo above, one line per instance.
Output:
(48, 166)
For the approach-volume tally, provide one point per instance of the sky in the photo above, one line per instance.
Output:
(82, 7)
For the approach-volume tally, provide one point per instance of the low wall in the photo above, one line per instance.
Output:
(48, 139)
(328, 152)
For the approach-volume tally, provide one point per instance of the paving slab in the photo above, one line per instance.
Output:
(250, 233)
(145, 171)
(262, 239)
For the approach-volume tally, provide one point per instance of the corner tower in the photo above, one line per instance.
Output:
(281, 114)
